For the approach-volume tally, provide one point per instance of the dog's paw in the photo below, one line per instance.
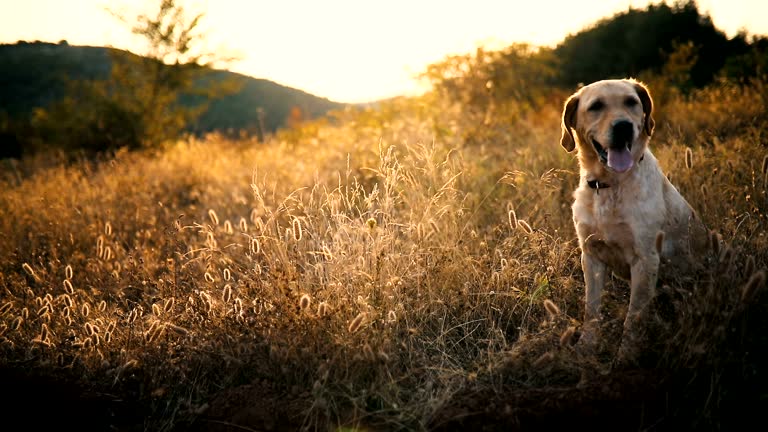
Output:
(626, 357)
(587, 343)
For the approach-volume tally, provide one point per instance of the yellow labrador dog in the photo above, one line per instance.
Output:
(629, 218)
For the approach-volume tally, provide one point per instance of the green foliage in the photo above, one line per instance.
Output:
(636, 41)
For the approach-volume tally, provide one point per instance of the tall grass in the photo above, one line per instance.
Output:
(371, 271)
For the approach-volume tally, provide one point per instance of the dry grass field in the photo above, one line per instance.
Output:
(398, 268)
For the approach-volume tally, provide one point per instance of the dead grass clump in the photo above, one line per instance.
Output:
(376, 274)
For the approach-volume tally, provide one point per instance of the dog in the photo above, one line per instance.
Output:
(628, 217)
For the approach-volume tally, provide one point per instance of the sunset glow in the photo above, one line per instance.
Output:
(349, 51)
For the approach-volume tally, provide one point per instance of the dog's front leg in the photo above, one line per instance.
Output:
(643, 287)
(594, 281)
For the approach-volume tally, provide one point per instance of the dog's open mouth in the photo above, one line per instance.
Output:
(600, 151)
(617, 159)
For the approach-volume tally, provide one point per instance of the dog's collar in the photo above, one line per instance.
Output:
(597, 185)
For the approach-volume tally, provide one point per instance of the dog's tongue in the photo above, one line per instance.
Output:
(620, 160)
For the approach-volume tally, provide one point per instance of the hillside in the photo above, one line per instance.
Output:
(34, 75)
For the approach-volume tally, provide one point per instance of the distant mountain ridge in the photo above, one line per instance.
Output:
(33, 74)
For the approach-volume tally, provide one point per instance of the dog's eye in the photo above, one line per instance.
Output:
(596, 106)
(631, 102)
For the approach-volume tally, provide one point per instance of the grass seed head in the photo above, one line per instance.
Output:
(543, 359)
(356, 323)
(156, 333)
(181, 331)
(322, 309)
(68, 287)
(214, 218)
(304, 302)
(567, 337)
(764, 168)
(392, 316)
(168, 305)
(714, 243)
(525, 226)
(226, 295)
(726, 257)
(753, 285)
(368, 353)
(255, 246)
(298, 231)
(749, 266)
(551, 308)
(512, 218)
(5, 308)
(43, 310)
(434, 225)
(152, 327)
(44, 332)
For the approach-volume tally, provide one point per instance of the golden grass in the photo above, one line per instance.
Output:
(374, 268)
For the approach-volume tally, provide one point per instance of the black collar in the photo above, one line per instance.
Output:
(597, 184)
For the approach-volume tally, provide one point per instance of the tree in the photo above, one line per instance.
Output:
(139, 105)
(174, 65)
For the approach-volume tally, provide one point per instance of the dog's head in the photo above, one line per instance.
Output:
(610, 121)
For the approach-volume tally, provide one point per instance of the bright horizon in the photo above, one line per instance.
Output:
(349, 51)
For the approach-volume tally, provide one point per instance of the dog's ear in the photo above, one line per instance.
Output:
(569, 122)
(647, 101)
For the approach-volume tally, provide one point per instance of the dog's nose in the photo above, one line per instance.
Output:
(623, 134)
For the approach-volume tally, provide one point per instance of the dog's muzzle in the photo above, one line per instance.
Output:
(618, 155)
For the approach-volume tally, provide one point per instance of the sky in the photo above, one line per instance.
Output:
(348, 50)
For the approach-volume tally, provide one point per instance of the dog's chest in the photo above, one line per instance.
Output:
(615, 216)
(613, 219)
